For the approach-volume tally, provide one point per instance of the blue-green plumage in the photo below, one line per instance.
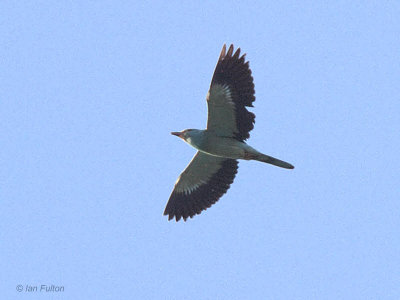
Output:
(212, 170)
(210, 142)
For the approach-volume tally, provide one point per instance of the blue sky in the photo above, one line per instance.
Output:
(89, 93)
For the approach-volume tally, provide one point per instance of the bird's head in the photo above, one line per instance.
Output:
(184, 134)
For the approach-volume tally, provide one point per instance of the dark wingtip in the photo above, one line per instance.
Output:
(233, 70)
(230, 51)
(179, 206)
(223, 52)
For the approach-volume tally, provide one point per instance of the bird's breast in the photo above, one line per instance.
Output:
(223, 147)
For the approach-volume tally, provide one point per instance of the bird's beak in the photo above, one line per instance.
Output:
(178, 134)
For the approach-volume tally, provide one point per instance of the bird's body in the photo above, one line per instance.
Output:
(210, 142)
(213, 168)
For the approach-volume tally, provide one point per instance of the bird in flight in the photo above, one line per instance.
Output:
(213, 168)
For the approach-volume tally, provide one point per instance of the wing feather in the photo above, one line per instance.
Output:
(200, 185)
(231, 91)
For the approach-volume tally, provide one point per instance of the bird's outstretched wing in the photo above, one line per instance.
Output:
(200, 185)
(231, 90)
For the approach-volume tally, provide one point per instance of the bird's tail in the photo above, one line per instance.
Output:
(273, 161)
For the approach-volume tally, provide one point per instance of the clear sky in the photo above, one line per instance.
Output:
(89, 93)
